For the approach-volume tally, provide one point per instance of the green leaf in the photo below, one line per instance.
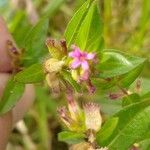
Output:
(130, 99)
(32, 74)
(133, 124)
(106, 130)
(34, 42)
(12, 93)
(130, 77)
(146, 95)
(71, 137)
(90, 34)
(19, 20)
(114, 63)
(75, 23)
(67, 76)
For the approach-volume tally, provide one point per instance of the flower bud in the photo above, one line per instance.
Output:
(116, 95)
(53, 81)
(57, 49)
(63, 114)
(93, 119)
(53, 65)
(138, 86)
(73, 106)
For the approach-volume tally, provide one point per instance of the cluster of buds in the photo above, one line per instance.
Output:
(82, 65)
(53, 66)
(77, 119)
(87, 120)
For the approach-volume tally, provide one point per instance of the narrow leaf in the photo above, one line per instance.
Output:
(130, 99)
(67, 76)
(34, 42)
(75, 23)
(12, 93)
(70, 137)
(132, 126)
(90, 34)
(113, 63)
(32, 74)
(106, 130)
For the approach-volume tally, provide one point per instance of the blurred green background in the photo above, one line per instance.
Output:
(126, 28)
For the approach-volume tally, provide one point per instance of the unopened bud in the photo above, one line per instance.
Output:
(138, 86)
(53, 65)
(93, 119)
(57, 49)
(73, 106)
(63, 114)
(115, 96)
(53, 81)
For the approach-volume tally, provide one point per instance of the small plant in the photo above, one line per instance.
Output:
(81, 66)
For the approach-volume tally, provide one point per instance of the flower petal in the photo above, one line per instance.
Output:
(72, 54)
(75, 64)
(85, 65)
(90, 56)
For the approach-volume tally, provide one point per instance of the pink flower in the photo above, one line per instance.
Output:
(80, 58)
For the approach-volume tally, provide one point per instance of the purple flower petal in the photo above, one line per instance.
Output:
(75, 64)
(77, 52)
(90, 56)
(85, 65)
(71, 54)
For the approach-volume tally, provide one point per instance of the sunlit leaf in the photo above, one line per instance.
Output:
(75, 23)
(90, 33)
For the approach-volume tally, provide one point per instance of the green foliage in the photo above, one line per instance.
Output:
(113, 63)
(129, 78)
(130, 99)
(131, 122)
(12, 93)
(32, 74)
(34, 42)
(107, 130)
(132, 126)
(85, 28)
(89, 36)
(67, 76)
(75, 23)
(71, 137)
